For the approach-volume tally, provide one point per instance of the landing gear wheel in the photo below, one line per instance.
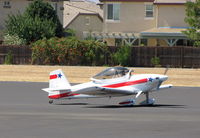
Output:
(50, 101)
(148, 101)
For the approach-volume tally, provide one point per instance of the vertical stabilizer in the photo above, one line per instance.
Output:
(58, 80)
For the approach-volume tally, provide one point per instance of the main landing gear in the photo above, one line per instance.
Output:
(131, 102)
(148, 101)
(50, 101)
(128, 102)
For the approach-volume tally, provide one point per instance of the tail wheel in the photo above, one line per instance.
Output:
(50, 101)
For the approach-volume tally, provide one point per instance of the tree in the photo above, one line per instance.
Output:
(193, 19)
(44, 11)
(37, 22)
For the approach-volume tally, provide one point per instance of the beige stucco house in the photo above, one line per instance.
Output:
(83, 17)
(143, 22)
(80, 15)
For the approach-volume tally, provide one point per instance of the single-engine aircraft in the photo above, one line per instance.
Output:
(112, 82)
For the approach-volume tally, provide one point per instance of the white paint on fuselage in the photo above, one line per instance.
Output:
(95, 87)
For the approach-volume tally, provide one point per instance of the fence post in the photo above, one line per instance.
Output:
(182, 57)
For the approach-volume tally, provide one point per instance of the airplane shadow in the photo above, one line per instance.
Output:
(70, 103)
(140, 106)
(120, 106)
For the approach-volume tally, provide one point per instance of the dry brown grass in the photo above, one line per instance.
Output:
(80, 74)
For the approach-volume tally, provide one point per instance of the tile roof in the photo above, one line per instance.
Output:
(73, 8)
(164, 32)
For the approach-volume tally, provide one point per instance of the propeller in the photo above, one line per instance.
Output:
(159, 83)
(166, 70)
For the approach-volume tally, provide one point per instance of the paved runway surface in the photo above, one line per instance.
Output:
(25, 113)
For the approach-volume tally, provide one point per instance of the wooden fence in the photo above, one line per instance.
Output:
(185, 57)
(21, 54)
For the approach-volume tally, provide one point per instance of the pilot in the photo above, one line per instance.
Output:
(123, 73)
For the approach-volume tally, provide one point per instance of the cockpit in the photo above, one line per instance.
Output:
(110, 73)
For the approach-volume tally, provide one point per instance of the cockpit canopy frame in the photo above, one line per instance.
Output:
(110, 73)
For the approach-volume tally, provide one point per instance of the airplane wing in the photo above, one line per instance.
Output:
(102, 91)
(114, 90)
(167, 86)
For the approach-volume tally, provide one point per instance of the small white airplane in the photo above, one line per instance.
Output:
(112, 82)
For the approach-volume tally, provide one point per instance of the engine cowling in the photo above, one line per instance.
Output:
(128, 102)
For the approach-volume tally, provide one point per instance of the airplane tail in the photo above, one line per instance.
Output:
(59, 86)
(58, 80)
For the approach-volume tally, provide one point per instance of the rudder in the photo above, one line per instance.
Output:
(57, 80)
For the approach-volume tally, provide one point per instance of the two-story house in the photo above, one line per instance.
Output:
(144, 22)
(79, 15)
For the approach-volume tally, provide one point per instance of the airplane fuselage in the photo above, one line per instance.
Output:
(121, 86)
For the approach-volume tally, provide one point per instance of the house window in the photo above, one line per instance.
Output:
(6, 4)
(113, 12)
(87, 20)
(149, 10)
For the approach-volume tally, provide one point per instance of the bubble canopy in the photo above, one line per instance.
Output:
(110, 73)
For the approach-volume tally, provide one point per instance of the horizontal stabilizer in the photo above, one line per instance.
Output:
(55, 89)
(165, 86)
(79, 96)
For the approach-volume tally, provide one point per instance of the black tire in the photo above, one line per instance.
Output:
(50, 101)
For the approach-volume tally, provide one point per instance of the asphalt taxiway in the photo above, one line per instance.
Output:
(25, 113)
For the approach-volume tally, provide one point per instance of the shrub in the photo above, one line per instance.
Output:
(13, 40)
(9, 58)
(70, 32)
(68, 51)
(40, 52)
(122, 56)
(155, 61)
(1, 35)
(94, 52)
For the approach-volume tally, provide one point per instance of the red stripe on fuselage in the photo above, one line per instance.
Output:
(57, 96)
(126, 83)
(53, 77)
